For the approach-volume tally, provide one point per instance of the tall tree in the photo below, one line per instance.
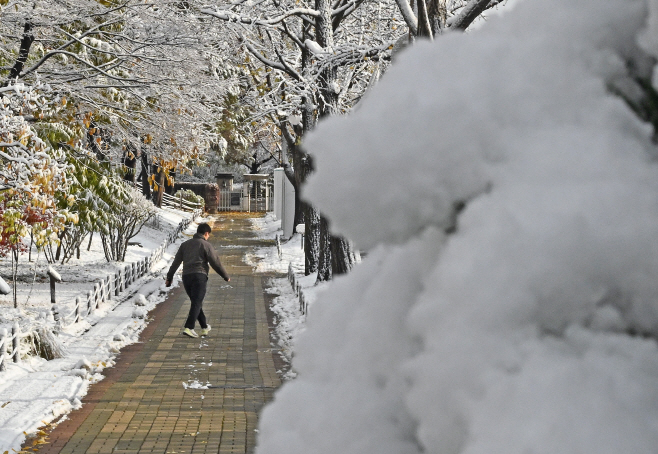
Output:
(311, 61)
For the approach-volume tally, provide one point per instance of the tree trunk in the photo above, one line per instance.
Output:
(144, 174)
(334, 251)
(303, 166)
(324, 33)
(341, 256)
(130, 162)
(324, 261)
(424, 23)
(58, 253)
(161, 188)
(312, 239)
(438, 15)
(94, 140)
(23, 52)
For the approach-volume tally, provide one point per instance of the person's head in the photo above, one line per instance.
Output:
(204, 229)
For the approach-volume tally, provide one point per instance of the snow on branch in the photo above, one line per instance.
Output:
(347, 8)
(281, 65)
(408, 15)
(81, 60)
(470, 12)
(12, 144)
(233, 17)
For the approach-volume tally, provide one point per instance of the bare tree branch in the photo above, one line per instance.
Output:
(469, 13)
(233, 17)
(408, 15)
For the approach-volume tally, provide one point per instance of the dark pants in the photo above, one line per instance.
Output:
(195, 286)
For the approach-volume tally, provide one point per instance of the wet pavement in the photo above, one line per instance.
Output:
(174, 394)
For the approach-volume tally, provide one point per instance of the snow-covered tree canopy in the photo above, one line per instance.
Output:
(29, 166)
(299, 56)
(128, 70)
(86, 86)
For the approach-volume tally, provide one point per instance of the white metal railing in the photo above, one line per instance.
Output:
(10, 343)
(102, 292)
(178, 203)
(297, 288)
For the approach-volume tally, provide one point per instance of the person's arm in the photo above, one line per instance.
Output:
(215, 263)
(178, 259)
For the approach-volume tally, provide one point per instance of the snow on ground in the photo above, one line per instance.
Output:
(268, 259)
(532, 326)
(37, 391)
(290, 321)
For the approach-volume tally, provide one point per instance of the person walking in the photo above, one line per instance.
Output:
(196, 254)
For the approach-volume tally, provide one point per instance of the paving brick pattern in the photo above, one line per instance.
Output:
(153, 401)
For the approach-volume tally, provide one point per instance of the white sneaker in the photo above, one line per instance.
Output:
(190, 332)
(205, 331)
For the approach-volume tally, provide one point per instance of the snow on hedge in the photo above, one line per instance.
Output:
(518, 332)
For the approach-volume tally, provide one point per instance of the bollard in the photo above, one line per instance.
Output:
(101, 292)
(53, 310)
(77, 309)
(54, 278)
(109, 287)
(90, 308)
(15, 340)
(96, 296)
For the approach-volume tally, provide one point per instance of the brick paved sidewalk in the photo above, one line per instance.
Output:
(143, 405)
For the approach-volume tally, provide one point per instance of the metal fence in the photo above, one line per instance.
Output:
(102, 292)
(297, 288)
(230, 200)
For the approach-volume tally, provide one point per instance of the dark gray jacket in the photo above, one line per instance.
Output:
(196, 254)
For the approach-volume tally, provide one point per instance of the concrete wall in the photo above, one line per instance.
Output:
(284, 202)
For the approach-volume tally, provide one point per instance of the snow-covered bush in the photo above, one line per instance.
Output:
(190, 196)
(532, 326)
(43, 343)
(126, 220)
(93, 190)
